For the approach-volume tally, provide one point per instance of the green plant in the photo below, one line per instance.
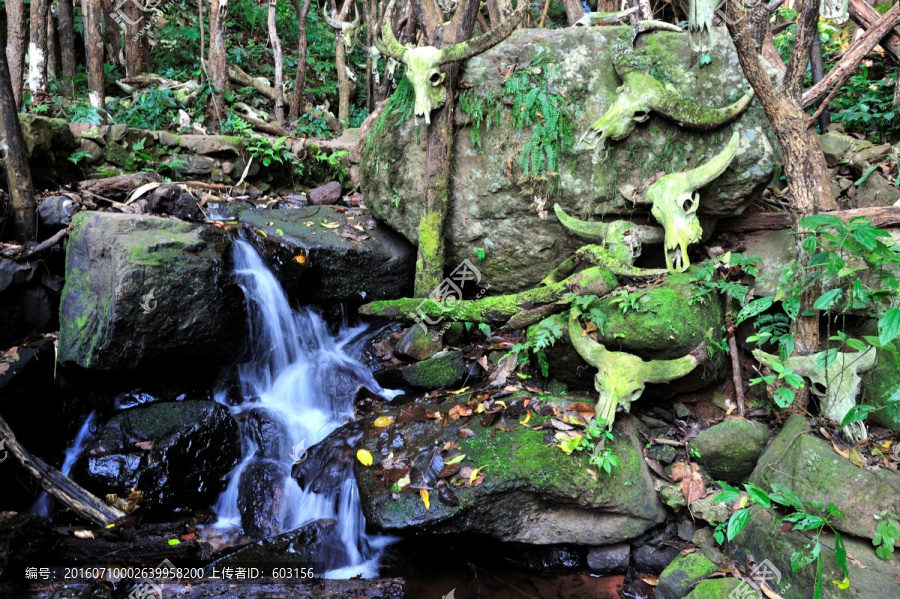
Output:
(813, 517)
(83, 112)
(887, 533)
(235, 125)
(596, 434)
(628, 300)
(546, 334)
(268, 152)
(332, 160)
(312, 125)
(583, 307)
(78, 156)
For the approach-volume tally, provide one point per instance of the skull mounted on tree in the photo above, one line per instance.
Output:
(433, 70)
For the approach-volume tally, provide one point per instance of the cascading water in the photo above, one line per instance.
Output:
(43, 505)
(305, 379)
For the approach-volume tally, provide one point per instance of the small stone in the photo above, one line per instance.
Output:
(682, 575)
(57, 210)
(731, 448)
(609, 559)
(673, 497)
(653, 560)
(329, 193)
(710, 511)
(227, 168)
(664, 454)
(418, 343)
(681, 410)
(686, 531)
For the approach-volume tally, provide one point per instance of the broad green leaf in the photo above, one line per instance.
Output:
(827, 299)
(826, 358)
(754, 308)
(856, 344)
(784, 397)
(785, 496)
(758, 496)
(857, 414)
(889, 326)
(737, 522)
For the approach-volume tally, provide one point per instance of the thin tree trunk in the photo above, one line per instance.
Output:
(818, 72)
(18, 174)
(218, 66)
(15, 46)
(53, 59)
(279, 63)
(93, 50)
(574, 10)
(341, 60)
(300, 77)
(134, 24)
(66, 30)
(37, 51)
(112, 33)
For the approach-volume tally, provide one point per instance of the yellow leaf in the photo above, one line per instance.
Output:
(744, 500)
(842, 584)
(403, 481)
(463, 390)
(856, 458)
(502, 403)
(364, 457)
(300, 259)
(474, 474)
(886, 445)
(527, 418)
(423, 493)
(479, 409)
(309, 223)
(331, 225)
(384, 421)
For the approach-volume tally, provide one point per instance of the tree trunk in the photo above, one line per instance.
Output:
(279, 63)
(300, 77)
(134, 25)
(341, 61)
(114, 45)
(218, 66)
(93, 50)
(53, 60)
(574, 10)
(37, 51)
(15, 46)
(18, 174)
(66, 30)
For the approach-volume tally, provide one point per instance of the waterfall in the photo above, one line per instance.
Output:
(306, 378)
(43, 505)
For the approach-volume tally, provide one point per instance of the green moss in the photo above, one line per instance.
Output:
(431, 252)
(398, 110)
(882, 390)
(683, 574)
(439, 371)
(718, 588)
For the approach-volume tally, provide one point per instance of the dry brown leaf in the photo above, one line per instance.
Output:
(681, 470)
(692, 488)
(465, 432)
(841, 452)
(145, 445)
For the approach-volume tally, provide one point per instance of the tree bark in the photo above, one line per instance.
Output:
(93, 50)
(218, 66)
(134, 25)
(15, 46)
(18, 173)
(300, 77)
(53, 59)
(574, 10)
(37, 51)
(279, 63)
(66, 31)
(866, 17)
(881, 216)
(341, 61)
(114, 45)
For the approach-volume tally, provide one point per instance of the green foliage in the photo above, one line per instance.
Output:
(267, 152)
(312, 125)
(332, 162)
(78, 156)
(546, 334)
(398, 110)
(887, 533)
(813, 517)
(584, 308)
(629, 300)
(715, 276)
(82, 112)
(866, 105)
(154, 110)
(594, 439)
(235, 125)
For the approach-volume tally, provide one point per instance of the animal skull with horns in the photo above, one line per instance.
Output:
(347, 29)
(423, 64)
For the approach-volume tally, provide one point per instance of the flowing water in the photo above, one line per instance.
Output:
(307, 378)
(43, 505)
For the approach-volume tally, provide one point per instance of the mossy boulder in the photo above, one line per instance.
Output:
(660, 322)
(730, 449)
(494, 207)
(418, 343)
(440, 371)
(765, 539)
(177, 454)
(331, 254)
(148, 292)
(532, 492)
(718, 588)
(682, 575)
(881, 388)
(44, 135)
(810, 467)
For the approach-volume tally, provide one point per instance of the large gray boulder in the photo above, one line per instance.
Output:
(531, 491)
(493, 208)
(145, 291)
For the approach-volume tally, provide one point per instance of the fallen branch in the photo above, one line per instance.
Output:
(60, 486)
(735, 361)
(47, 243)
(842, 71)
(265, 127)
(492, 310)
(866, 17)
(882, 216)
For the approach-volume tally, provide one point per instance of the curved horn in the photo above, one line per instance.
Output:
(333, 23)
(688, 114)
(585, 229)
(389, 45)
(355, 22)
(487, 40)
(706, 173)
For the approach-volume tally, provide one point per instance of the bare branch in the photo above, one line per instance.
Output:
(807, 27)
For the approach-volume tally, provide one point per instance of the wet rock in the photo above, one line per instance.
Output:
(682, 575)
(418, 344)
(881, 388)
(441, 371)
(651, 559)
(664, 454)
(178, 455)
(487, 205)
(809, 466)
(149, 292)
(173, 200)
(330, 462)
(44, 135)
(764, 539)
(261, 498)
(330, 193)
(314, 543)
(531, 491)
(57, 210)
(840, 148)
(24, 539)
(190, 165)
(269, 433)
(875, 191)
(322, 255)
(36, 307)
(611, 559)
(730, 449)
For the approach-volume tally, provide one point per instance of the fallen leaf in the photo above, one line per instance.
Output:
(464, 410)
(3, 367)
(383, 421)
(330, 225)
(300, 259)
(173, 542)
(84, 534)
(856, 458)
(364, 457)
(692, 488)
(188, 537)
(423, 493)
(465, 432)
(680, 471)
(841, 452)
(145, 445)
(459, 391)
(455, 459)
(525, 420)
